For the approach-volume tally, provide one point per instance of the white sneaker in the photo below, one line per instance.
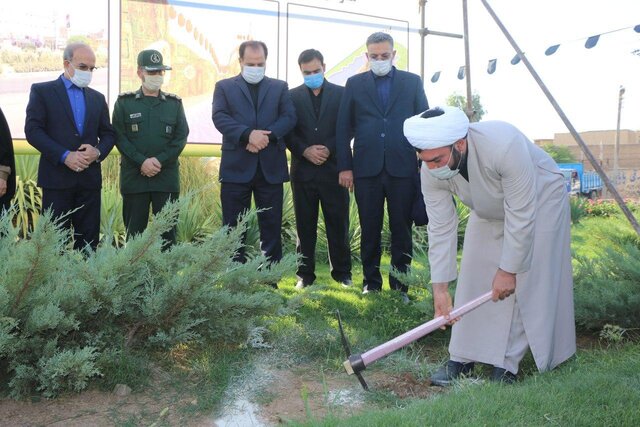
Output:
(300, 285)
(346, 283)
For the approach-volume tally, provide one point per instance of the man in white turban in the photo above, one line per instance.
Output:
(517, 243)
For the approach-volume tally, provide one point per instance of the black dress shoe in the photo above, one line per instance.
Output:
(500, 375)
(451, 371)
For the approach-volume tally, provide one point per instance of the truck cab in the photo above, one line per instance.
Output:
(581, 183)
(571, 181)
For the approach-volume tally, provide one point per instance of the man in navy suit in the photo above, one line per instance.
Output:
(68, 122)
(314, 173)
(254, 113)
(383, 165)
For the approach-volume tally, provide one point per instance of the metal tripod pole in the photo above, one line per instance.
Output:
(574, 132)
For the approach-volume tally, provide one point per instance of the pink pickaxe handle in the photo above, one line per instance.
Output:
(357, 363)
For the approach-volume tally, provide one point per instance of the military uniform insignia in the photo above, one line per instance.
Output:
(168, 129)
(173, 95)
(134, 127)
(135, 115)
(155, 58)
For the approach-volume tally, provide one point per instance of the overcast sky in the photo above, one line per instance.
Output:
(585, 82)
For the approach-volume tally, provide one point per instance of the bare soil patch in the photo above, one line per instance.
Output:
(276, 395)
(160, 402)
(287, 395)
(306, 395)
(96, 408)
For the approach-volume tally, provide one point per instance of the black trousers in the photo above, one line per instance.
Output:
(135, 212)
(236, 200)
(85, 221)
(308, 197)
(371, 194)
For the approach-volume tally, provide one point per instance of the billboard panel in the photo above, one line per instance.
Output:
(200, 40)
(33, 35)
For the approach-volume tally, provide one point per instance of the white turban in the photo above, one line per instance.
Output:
(436, 131)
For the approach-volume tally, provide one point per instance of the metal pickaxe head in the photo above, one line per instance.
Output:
(353, 364)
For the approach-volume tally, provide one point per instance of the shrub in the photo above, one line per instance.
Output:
(62, 311)
(28, 198)
(579, 208)
(112, 227)
(607, 287)
(200, 194)
(604, 208)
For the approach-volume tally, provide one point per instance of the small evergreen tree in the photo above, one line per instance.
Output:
(607, 287)
(62, 310)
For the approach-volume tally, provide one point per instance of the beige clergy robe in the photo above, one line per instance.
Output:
(520, 222)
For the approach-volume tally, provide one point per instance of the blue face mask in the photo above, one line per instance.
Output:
(314, 81)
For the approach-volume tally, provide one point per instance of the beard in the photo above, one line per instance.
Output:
(458, 158)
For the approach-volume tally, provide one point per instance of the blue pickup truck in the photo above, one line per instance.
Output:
(578, 182)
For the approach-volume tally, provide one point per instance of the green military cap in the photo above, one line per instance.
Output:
(151, 60)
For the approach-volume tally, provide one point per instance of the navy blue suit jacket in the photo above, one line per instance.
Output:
(234, 113)
(51, 129)
(311, 130)
(379, 140)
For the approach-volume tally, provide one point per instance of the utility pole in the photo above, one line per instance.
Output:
(467, 62)
(585, 149)
(616, 151)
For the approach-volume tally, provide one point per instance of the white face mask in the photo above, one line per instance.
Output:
(445, 172)
(380, 68)
(80, 78)
(153, 83)
(253, 75)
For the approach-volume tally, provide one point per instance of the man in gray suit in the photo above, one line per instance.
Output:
(314, 173)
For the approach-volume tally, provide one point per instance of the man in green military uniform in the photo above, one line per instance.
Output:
(151, 132)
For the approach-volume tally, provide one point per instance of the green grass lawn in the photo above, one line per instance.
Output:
(309, 326)
(599, 386)
(596, 388)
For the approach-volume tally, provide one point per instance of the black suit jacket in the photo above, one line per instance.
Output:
(51, 129)
(311, 130)
(7, 159)
(234, 113)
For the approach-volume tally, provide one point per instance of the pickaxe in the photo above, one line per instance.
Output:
(357, 363)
